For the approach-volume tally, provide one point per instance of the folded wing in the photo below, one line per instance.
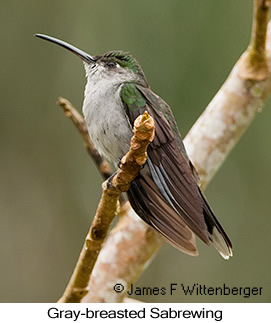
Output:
(166, 194)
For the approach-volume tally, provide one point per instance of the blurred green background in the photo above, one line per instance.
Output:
(49, 188)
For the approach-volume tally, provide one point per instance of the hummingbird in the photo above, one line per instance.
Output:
(166, 194)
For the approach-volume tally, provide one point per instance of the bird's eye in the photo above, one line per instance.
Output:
(111, 64)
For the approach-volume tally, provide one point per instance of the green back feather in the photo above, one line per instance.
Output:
(131, 96)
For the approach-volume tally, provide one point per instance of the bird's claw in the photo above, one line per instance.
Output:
(109, 180)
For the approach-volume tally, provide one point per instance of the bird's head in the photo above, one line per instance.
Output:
(114, 65)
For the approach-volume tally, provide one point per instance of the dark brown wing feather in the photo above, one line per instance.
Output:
(150, 205)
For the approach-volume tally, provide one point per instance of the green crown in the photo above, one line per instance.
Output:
(123, 59)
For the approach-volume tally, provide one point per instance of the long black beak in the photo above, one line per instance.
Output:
(84, 56)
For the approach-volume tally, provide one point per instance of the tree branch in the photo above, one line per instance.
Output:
(132, 244)
(130, 166)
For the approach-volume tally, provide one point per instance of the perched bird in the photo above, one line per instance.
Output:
(166, 194)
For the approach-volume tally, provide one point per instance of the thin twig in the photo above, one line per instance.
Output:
(130, 166)
(253, 63)
(81, 126)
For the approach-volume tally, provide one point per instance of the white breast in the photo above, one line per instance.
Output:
(107, 123)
